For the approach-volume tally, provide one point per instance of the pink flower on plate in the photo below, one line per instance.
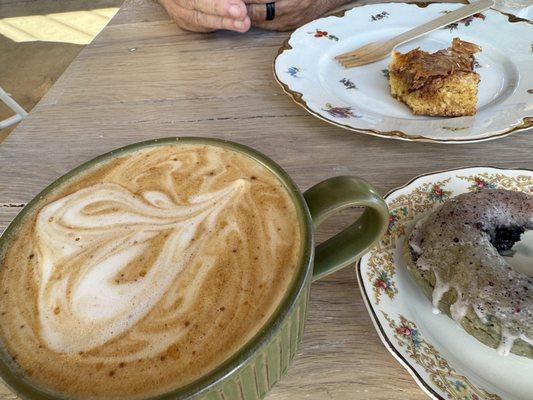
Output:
(479, 183)
(404, 331)
(382, 284)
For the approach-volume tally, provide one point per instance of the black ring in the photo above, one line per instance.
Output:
(271, 11)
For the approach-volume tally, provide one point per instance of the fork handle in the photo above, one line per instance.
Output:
(444, 20)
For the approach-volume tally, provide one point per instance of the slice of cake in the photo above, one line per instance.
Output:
(438, 84)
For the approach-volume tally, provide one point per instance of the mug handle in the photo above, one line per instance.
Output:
(336, 194)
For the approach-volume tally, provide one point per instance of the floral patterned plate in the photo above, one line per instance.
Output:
(359, 99)
(444, 360)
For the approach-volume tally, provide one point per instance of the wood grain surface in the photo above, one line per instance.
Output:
(143, 78)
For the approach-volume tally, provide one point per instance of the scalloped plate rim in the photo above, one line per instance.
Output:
(297, 97)
(386, 340)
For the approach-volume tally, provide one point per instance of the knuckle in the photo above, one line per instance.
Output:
(257, 14)
(197, 18)
(223, 23)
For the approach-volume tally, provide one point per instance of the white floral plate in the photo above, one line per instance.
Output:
(444, 360)
(359, 98)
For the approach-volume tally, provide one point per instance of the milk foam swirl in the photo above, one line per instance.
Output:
(81, 309)
(147, 271)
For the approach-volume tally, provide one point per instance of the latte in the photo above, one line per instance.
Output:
(146, 271)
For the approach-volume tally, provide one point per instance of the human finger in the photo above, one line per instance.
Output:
(226, 8)
(200, 22)
(257, 11)
(285, 22)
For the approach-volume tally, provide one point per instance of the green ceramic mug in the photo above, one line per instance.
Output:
(257, 366)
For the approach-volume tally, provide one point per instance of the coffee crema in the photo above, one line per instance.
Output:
(147, 271)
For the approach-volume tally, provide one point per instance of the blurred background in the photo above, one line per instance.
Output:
(38, 41)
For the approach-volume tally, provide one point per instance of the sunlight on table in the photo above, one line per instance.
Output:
(77, 27)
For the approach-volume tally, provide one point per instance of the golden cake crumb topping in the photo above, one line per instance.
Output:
(417, 66)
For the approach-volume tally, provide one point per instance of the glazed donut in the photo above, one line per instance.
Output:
(455, 255)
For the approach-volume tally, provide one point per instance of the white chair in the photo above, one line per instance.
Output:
(20, 113)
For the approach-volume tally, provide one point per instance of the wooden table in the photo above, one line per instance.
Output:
(143, 78)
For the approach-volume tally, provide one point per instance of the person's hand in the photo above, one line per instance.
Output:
(208, 15)
(289, 14)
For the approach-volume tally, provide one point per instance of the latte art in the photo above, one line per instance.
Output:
(147, 271)
(81, 309)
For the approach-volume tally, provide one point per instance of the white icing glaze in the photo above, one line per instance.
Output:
(506, 343)
(459, 309)
(454, 242)
(439, 290)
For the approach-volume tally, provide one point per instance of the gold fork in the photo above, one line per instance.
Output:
(376, 51)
